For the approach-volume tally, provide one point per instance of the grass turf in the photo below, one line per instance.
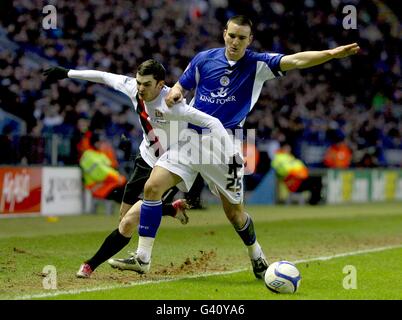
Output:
(207, 245)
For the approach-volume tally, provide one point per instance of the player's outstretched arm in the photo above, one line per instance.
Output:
(175, 95)
(307, 59)
(102, 77)
(116, 81)
(58, 73)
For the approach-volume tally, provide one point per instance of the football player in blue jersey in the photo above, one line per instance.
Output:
(227, 83)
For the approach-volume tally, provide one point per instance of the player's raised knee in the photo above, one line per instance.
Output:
(153, 190)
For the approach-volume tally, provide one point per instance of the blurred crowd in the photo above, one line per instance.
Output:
(356, 101)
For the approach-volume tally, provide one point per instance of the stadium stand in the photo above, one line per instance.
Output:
(360, 97)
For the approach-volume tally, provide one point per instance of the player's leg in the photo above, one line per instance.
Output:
(314, 185)
(244, 226)
(150, 217)
(124, 208)
(131, 219)
(121, 236)
(158, 183)
(135, 187)
(168, 172)
(226, 181)
(112, 244)
(116, 241)
(116, 194)
(193, 196)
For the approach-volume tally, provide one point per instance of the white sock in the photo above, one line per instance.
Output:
(144, 250)
(254, 251)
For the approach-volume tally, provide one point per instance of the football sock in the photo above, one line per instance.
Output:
(144, 250)
(247, 233)
(112, 244)
(168, 210)
(150, 219)
(254, 251)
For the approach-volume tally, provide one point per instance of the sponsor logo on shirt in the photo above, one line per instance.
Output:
(221, 93)
(218, 97)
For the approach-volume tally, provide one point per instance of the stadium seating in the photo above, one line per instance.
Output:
(358, 96)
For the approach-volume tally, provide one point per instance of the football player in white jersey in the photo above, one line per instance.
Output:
(227, 83)
(147, 92)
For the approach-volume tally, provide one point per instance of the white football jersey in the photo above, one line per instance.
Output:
(160, 124)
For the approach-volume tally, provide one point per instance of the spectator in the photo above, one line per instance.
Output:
(294, 173)
(338, 155)
(8, 153)
(100, 177)
(92, 35)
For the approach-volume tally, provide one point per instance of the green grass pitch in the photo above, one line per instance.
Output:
(207, 260)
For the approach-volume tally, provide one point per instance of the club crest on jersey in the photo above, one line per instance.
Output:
(224, 81)
(159, 117)
(158, 114)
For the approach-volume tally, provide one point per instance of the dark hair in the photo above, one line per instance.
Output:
(152, 67)
(240, 20)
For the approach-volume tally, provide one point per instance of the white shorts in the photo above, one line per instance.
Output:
(220, 176)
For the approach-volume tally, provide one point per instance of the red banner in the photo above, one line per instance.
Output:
(20, 190)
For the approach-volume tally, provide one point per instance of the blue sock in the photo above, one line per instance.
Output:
(150, 218)
(247, 233)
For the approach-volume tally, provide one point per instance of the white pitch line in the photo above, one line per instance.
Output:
(352, 253)
(130, 284)
(140, 283)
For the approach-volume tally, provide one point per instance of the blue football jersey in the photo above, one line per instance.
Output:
(229, 92)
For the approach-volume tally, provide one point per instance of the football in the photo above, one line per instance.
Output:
(282, 277)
